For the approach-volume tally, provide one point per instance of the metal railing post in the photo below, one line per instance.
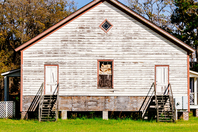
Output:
(146, 104)
(156, 102)
(172, 104)
(40, 101)
(57, 96)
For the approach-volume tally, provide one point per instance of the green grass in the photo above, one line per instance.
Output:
(93, 125)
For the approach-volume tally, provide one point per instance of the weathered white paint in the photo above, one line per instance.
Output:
(77, 46)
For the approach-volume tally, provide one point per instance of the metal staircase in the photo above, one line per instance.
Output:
(48, 106)
(159, 107)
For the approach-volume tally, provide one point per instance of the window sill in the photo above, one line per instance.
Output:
(104, 88)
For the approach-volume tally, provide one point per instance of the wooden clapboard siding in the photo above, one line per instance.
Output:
(77, 46)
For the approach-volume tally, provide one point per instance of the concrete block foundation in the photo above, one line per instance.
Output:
(186, 115)
(24, 115)
(64, 115)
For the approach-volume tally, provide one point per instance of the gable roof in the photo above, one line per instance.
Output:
(119, 6)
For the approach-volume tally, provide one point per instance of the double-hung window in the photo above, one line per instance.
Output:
(105, 74)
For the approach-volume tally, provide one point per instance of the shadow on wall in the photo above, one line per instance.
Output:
(32, 111)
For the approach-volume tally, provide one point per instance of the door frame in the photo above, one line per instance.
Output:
(45, 72)
(155, 73)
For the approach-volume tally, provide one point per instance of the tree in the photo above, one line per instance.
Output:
(21, 20)
(185, 20)
(157, 11)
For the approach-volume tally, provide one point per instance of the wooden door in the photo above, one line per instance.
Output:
(162, 79)
(51, 79)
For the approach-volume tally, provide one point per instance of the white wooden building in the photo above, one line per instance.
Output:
(194, 92)
(105, 57)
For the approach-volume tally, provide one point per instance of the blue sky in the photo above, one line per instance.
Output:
(81, 3)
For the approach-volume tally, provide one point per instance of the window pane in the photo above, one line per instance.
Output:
(105, 68)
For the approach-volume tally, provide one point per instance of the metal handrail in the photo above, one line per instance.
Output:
(41, 101)
(36, 100)
(148, 102)
(167, 90)
(156, 102)
(172, 102)
(56, 92)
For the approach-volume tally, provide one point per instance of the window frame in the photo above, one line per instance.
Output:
(112, 73)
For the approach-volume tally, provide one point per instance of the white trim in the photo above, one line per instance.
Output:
(193, 74)
(193, 106)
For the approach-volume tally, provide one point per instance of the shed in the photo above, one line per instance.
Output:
(12, 73)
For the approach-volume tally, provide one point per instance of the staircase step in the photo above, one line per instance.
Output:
(46, 109)
(161, 103)
(50, 98)
(49, 111)
(162, 95)
(166, 115)
(48, 114)
(47, 106)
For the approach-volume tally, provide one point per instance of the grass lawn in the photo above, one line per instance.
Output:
(92, 125)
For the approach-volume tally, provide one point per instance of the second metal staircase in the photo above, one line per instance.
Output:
(48, 106)
(159, 107)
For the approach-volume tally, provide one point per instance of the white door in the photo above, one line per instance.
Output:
(161, 79)
(50, 79)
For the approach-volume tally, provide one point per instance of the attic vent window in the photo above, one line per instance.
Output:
(106, 26)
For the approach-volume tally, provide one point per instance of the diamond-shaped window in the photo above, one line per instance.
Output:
(106, 26)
